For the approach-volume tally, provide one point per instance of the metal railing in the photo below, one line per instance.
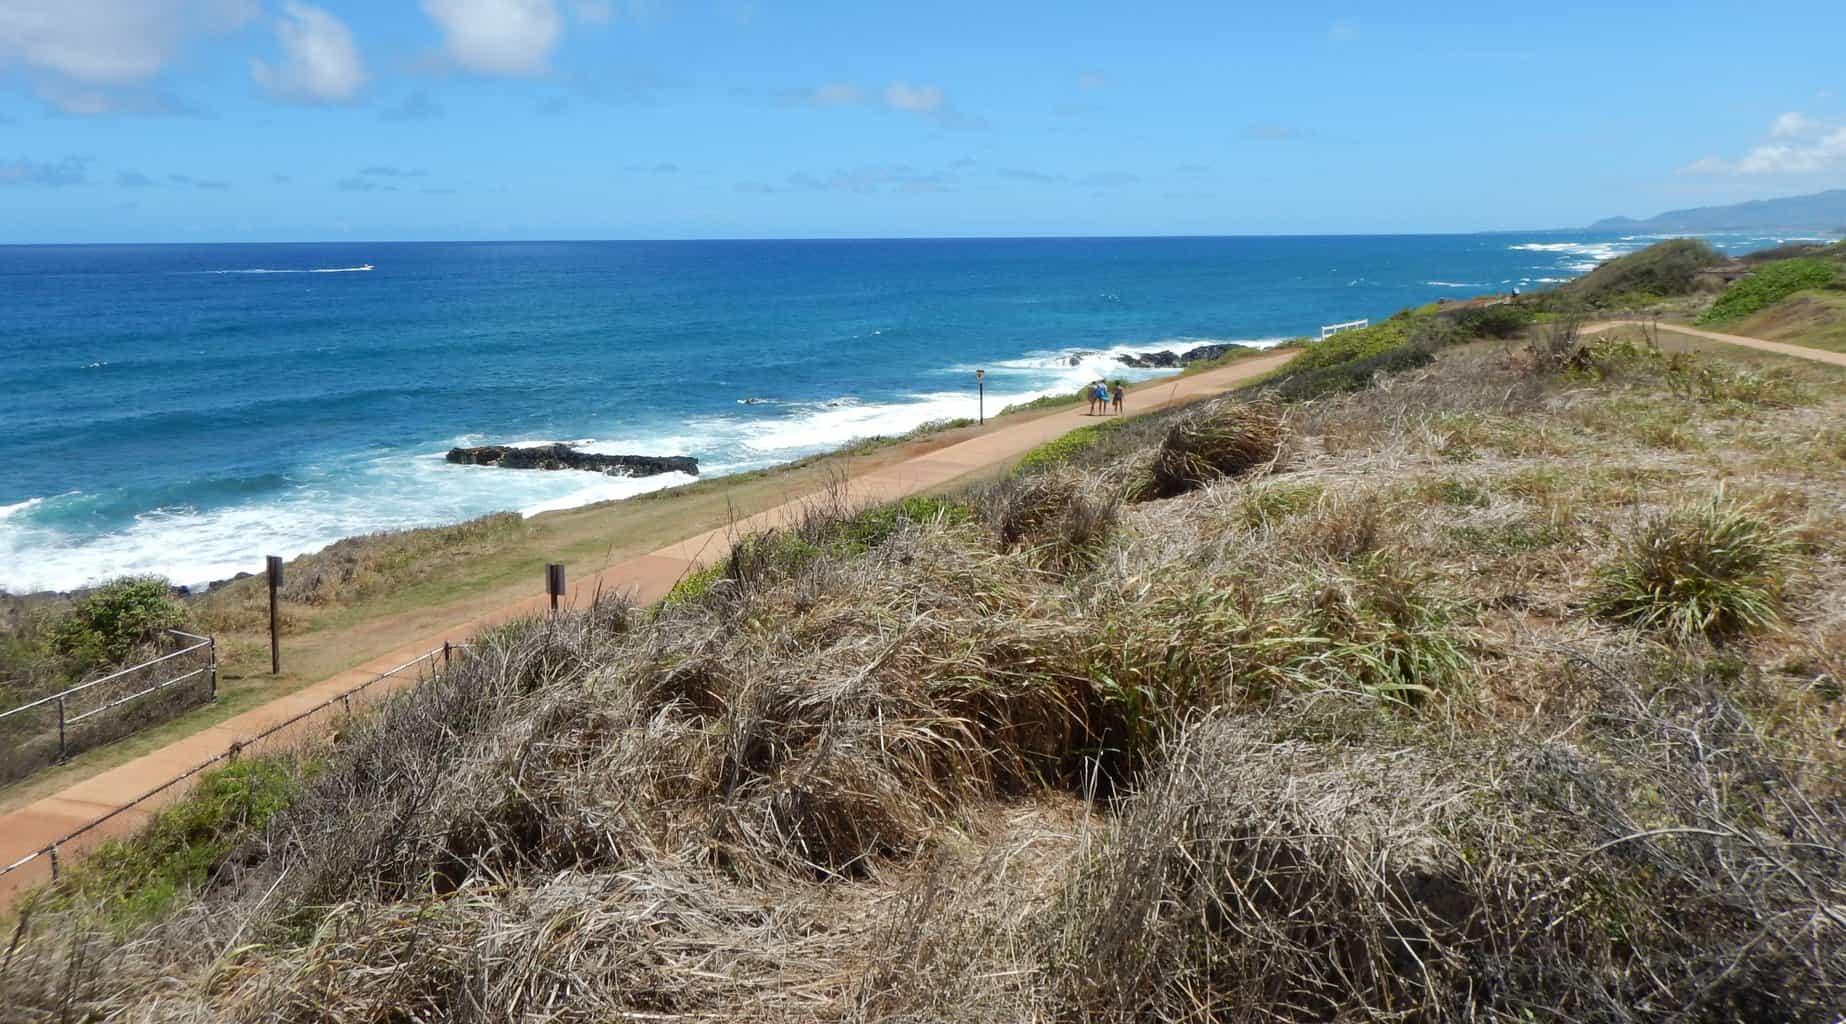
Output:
(63, 699)
(1351, 325)
(50, 850)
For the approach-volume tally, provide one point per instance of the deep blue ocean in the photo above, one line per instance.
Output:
(187, 409)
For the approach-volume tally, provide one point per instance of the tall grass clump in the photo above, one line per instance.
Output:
(1062, 518)
(1223, 440)
(1714, 572)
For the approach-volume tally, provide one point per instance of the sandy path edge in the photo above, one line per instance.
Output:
(643, 579)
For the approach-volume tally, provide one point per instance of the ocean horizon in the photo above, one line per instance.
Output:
(185, 409)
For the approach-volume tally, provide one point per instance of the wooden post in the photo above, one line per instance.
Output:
(61, 750)
(275, 643)
(554, 583)
(980, 387)
(212, 653)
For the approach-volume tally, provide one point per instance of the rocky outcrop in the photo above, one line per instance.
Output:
(1167, 359)
(563, 456)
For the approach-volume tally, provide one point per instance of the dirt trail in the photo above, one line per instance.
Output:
(1778, 347)
(643, 579)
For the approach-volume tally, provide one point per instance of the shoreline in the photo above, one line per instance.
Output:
(533, 506)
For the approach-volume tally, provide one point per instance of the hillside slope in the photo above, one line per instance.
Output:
(1506, 687)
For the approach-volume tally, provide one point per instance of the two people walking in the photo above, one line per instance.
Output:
(1102, 396)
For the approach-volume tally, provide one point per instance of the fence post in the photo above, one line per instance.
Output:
(211, 654)
(53, 849)
(445, 655)
(61, 745)
(275, 645)
(554, 583)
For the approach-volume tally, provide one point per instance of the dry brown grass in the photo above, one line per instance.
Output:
(1338, 744)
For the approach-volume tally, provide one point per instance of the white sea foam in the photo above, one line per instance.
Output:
(314, 270)
(394, 492)
(1453, 284)
(19, 507)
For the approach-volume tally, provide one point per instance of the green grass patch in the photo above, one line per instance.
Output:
(1770, 284)
(1061, 450)
(134, 881)
(1263, 507)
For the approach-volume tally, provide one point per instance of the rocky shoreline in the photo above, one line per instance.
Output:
(1167, 359)
(563, 456)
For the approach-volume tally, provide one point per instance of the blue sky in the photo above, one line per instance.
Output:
(255, 120)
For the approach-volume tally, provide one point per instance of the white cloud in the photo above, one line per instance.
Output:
(926, 101)
(835, 94)
(101, 56)
(320, 62)
(497, 37)
(69, 171)
(1794, 126)
(915, 99)
(1797, 145)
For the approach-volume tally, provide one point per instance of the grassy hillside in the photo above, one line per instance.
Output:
(1662, 270)
(1504, 687)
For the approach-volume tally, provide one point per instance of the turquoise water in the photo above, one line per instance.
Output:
(188, 409)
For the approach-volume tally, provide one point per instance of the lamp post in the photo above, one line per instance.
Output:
(980, 387)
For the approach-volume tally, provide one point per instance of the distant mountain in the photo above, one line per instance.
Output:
(1822, 211)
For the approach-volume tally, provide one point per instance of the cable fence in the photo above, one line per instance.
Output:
(50, 729)
(47, 858)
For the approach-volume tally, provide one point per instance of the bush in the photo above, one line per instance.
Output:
(1357, 344)
(1222, 441)
(1345, 378)
(1503, 320)
(1713, 572)
(1770, 284)
(114, 620)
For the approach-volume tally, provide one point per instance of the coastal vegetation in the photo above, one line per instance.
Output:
(1663, 270)
(1769, 284)
(1506, 686)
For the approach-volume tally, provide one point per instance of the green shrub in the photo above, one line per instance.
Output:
(1299, 385)
(112, 621)
(1353, 345)
(1770, 284)
(1503, 320)
(1713, 572)
(695, 584)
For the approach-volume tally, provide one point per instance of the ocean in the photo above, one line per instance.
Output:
(187, 409)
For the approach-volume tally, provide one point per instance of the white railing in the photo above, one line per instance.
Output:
(1351, 325)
